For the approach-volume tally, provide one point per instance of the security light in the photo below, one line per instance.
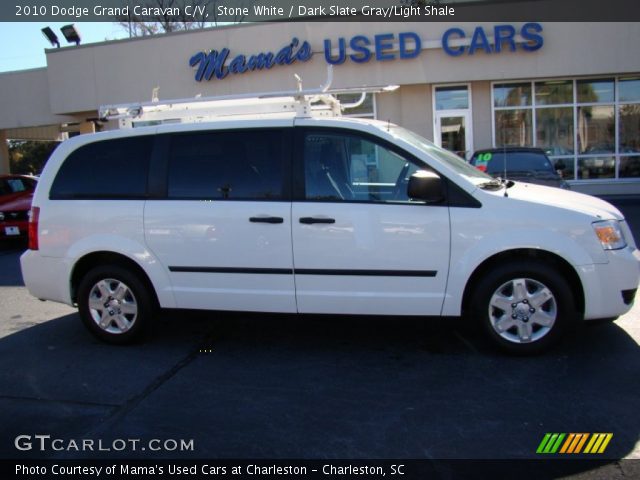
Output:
(70, 33)
(52, 37)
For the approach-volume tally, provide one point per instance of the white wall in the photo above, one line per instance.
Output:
(25, 100)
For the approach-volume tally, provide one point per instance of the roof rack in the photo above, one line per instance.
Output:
(321, 101)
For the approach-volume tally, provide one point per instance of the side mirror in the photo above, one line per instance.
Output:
(426, 186)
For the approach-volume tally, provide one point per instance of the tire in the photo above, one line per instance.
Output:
(115, 304)
(524, 308)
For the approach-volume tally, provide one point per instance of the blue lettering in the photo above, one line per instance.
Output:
(342, 52)
(305, 52)
(215, 64)
(453, 51)
(238, 65)
(260, 61)
(404, 52)
(382, 44)
(533, 41)
(285, 55)
(502, 34)
(199, 59)
(479, 40)
(358, 44)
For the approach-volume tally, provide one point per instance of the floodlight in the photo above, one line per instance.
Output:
(70, 33)
(52, 37)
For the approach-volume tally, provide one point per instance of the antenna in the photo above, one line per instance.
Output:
(504, 160)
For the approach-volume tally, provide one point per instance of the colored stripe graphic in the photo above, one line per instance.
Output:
(543, 443)
(598, 443)
(578, 448)
(557, 443)
(567, 444)
(550, 443)
(573, 443)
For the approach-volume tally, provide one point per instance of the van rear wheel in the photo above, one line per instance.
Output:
(114, 304)
(524, 307)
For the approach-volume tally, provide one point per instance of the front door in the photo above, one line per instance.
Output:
(359, 244)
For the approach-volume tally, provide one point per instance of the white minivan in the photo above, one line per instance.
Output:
(320, 215)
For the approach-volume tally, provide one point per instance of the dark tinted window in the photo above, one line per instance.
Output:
(109, 169)
(493, 162)
(232, 165)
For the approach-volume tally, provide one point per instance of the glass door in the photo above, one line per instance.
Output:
(452, 115)
(453, 132)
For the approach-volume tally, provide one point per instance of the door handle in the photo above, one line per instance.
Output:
(266, 219)
(310, 220)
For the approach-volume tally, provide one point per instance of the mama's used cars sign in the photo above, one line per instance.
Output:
(361, 49)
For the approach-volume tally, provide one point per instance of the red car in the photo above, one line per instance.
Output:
(16, 193)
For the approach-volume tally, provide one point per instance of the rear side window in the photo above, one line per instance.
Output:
(110, 169)
(229, 165)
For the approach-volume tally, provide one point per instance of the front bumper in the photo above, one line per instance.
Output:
(604, 284)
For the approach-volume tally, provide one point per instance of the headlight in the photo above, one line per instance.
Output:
(610, 234)
(1, 216)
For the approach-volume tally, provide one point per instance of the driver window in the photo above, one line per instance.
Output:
(350, 168)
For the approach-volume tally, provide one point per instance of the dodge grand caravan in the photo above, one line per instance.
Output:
(316, 215)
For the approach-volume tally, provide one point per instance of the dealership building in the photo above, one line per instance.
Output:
(572, 89)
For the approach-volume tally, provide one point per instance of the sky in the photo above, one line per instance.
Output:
(22, 44)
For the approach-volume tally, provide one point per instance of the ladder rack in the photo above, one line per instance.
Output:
(300, 103)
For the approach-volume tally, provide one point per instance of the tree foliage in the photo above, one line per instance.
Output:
(166, 22)
(29, 157)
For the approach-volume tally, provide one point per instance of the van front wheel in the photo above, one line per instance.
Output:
(524, 308)
(114, 304)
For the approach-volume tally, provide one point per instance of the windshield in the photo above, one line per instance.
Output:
(451, 160)
(15, 185)
(494, 162)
